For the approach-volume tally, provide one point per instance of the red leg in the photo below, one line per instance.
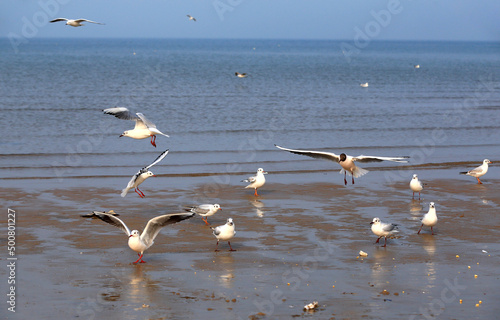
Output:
(140, 195)
(478, 181)
(385, 242)
(345, 177)
(352, 179)
(230, 249)
(419, 195)
(378, 240)
(153, 140)
(205, 220)
(420, 228)
(432, 231)
(140, 259)
(413, 195)
(256, 192)
(217, 246)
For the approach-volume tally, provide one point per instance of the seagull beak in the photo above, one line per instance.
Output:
(154, 175)
(129, 236)
(371, 222)
(220, 208)
(120, 136)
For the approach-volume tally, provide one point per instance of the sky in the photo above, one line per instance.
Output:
(355, 20)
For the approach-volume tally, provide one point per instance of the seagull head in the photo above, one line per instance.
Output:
(124, 134)
(150, 174)
(217, 206)
(134, 233)
(415, 176)
(260, 170)
(229, 222)
(343, 156)
(375, 221)
(431, 205)
(486, 161)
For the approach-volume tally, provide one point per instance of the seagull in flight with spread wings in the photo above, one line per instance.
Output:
(191, 18)
(345, 161)
(142, 175)
(143, 127)
(140, 242)
(74, 22)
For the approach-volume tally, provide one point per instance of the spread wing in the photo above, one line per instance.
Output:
(121, 113)
(379, 159)
(313, 154)
(85, 20)
(112, 220)
(148, 123)
(59, 19)
(158, 159)
(154, 225)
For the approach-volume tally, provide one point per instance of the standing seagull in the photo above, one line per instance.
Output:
(141, 242)
(256, 181)
(345, 161)
(416, 186)
(430, 218)
(143, 127)
(74, 22)
(191, 18)
(225, 233)
(479, 171)
(142, 175)
(204, 210)
(381, 229)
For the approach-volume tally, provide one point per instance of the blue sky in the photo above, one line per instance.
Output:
(266, 19)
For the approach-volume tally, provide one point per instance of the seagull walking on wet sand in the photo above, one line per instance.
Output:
(345, 161)
(204, 210)
(225, 233)
(479, 171)
(74, 22)
(381, 229)
(143, 127)
(430, 218)
(142, 175)
(256, 181)
(140, 242)
(416, 186)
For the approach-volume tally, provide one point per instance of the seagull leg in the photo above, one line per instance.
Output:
(419, 195)
(230, 249)
(345, 179)
(432, 231)
(385, 242)
(478, 181)
(352, 179)
(205, 220)
(217, 246)
(140, 259)
(413, 195)
(420, 228)
(140, 194)
(256, 192)
(378, 240)
(153, 140)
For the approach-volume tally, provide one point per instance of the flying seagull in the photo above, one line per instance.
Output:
(240, 75)
(143, 127)
(479, 171)
(225, 233)
(74, 22)
(345, 161)
(142, 175)
(256, 181)
(191, 18)
(381, 229)
(140, 242)
(204, 210)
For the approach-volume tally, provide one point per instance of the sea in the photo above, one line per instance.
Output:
(300, 94)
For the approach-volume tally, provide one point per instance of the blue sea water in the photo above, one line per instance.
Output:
(299, 94)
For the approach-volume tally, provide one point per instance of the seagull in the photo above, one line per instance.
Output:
(225, 233)
(381, 229)
(90, 215)
(416, 186)
(345, 161)
(256, 181)
(204, 210)
(74, 22)
(141, 242)
(364, 85)
(417, 66)
(240, 75)
(143, 127)
(191, 18)
(430, 219)
(479, 171)
(142, 175)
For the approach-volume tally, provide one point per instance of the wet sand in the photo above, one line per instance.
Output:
(296, 243)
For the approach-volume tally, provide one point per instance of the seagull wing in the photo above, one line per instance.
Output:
(313, 154)
(389, 227)
(121, 113)
(113, 220)
(59, 19)
(479, 169)
(85, 20)
(154, 225)
(148, 123)
(158, 159)
(379, 159)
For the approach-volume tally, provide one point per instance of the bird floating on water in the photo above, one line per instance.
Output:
(74, 22)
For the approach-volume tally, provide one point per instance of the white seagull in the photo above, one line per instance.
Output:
(364, 85)
(479, 171)
(225, 233)
(204, 210)
(430, 218)
(417, 66)
(256, 181)
(416, 186)
(345, 161)
(240, 75)
(191, 18)
(74, 22)
(143, 127)
(381, 229)
(141, 242)
(142, 175)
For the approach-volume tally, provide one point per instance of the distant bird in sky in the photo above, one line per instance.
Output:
(225, 233)
(204, 210)
(240, 75)
(430, 218)
(364, 85)
(381, 229)
(191, 18)
(345, 161)
(416, 186)
(256, 181)
(142, 175)
(74, 22)
(143, 127)
(140, 242)
(417, 66)
(479, 171)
